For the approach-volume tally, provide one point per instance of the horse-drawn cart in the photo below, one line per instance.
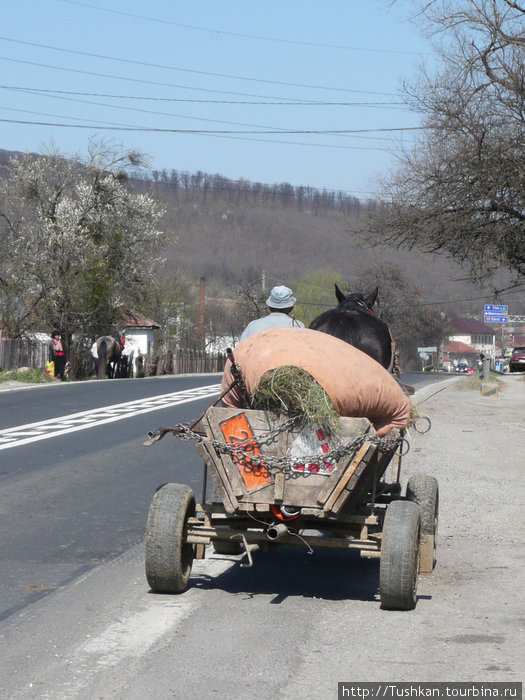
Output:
(283, 483)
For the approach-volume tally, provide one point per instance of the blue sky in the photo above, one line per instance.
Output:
(165, 67)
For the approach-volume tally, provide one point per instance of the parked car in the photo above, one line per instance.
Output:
(447, 366)
(517, 360)
(464, 368)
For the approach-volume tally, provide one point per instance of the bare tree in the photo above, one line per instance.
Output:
(461, 190)
(402, 306)
(251, 302)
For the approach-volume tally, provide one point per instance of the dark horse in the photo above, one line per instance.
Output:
(109, 351)
(354, 322)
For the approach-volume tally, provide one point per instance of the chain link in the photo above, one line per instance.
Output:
(243, 451)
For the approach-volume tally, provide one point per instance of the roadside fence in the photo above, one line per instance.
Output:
(23, 352)
(181, 361)
(27, 352)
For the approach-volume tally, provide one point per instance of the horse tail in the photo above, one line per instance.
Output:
(102, 351)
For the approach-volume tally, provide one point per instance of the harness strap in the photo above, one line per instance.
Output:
(393, 367)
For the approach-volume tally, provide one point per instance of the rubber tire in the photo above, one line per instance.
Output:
(399, 564)
(424, 490)
(227, 547)
(169, 557)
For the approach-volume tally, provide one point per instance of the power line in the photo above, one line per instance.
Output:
(296, 103)
(60, 116)
(164, 84)
(228, 131)
(240, 35)
(165, 114)
(175, 68)
(196, 132)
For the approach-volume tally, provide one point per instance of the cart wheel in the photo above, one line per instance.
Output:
(227, 547)
(168, 556)
(400, 556)
(424, 491)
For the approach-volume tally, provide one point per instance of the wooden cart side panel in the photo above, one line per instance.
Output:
(358, 463)
(278, 494)
(330, 483)
(357, 485)
(297, 492)
(236, 429)
(211, 422)
(264, 421)
(326, 491)
(219, 476)
(362, 482)
(260, 422)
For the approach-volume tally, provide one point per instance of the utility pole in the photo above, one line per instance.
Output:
(263, 280)
(202, 336)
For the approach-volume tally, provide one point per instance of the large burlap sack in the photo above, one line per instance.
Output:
(358, 385)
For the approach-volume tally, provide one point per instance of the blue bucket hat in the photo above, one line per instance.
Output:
(281, 298)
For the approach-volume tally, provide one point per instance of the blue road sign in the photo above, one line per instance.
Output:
(495, 313)
(495, 309)
(495, 318)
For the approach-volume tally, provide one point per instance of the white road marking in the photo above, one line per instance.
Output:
(42, 430)
(133, 635)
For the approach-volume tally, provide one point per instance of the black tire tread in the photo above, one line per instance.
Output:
(168, 557)
(424, 491)
(399, 562)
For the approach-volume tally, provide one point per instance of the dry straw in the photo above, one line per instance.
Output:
(294, 392)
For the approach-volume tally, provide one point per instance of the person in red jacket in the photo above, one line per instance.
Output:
(57, 354)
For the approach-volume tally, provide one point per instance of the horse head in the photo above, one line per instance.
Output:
(354, 322)
(356, 301)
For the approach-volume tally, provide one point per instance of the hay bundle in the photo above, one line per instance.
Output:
(294, 392)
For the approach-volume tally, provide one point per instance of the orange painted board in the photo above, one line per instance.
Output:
(236, 430)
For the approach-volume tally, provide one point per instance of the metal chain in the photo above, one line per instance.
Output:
(252, 463)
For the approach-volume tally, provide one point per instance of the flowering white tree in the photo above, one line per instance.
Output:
(76, 244)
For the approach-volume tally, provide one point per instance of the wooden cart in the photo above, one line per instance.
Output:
(280, 484)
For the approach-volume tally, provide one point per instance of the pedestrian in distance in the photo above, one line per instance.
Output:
(57, 355)
(94, 355)
(280, 303)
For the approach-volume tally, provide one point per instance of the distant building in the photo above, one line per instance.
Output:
(474, 335)
(139, 332)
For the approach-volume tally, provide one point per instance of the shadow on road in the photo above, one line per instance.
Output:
(290, 571)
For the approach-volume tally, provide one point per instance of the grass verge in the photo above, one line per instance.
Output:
(28, 376)
(474, 382)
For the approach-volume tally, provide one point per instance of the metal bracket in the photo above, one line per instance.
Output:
(248, 548)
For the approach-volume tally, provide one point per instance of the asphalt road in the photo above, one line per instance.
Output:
(73, 508)
(70, 502)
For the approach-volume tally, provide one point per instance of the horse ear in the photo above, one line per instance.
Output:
(371, 298)
(339, 294)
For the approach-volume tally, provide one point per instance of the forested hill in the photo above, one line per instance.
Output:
(231, 231)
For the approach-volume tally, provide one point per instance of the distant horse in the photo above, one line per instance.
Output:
(109, 351)
(354, 322)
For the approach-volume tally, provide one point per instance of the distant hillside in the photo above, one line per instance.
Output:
(230, 231)
(5, 156)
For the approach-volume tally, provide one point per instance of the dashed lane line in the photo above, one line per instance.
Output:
(43, 430)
